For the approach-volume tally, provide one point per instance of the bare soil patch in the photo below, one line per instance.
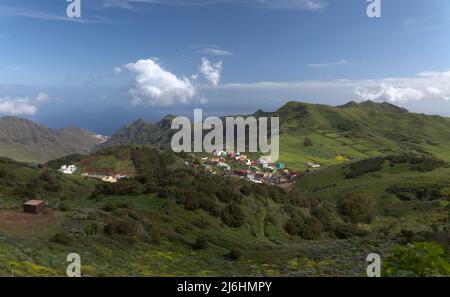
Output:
(16, 222)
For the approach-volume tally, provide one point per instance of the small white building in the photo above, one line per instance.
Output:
(220, 153)
(109, 179)
(68, 169)
(313, 165)
(120, 176)
(265, 161)
(224, 165)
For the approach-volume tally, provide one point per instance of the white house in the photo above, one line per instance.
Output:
(313, 165)
(68, 169)
(224, 165)
(220, 153)
(109, 179)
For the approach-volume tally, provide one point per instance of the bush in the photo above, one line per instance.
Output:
(309, 228)
(192, 203)
(419, 259)
(360, 168)
(420, 192)
(120, 227)
(226, 195)
(63, 206)
(201, 242)
(201, 223)
(344, 231)
(210, 205)
(233, 255)
(246, 190)
(307, 142)
(356, 208)
(109, 207)
(92, 229)
(154, 234)
(233, 216)
(62, 238)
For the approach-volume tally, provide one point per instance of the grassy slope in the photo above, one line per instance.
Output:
(393, 213)
(36, 254)
(357, 133)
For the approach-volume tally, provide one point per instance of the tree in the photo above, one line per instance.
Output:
(308, 142)
(233, 216)
(356, 208)
(201, 242)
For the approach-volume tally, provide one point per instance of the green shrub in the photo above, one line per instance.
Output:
(356, 208)
(360, 168)
(64, 206)
(345, 231)
(62, 238)
(420, 192)
(418, 259)
(308, 228)
(233, 255)
(92, 229)
(201, 223)
(307, 142)
(246, 190)
(154, 234)
(120, 227)
(233, 216)
(201, 242)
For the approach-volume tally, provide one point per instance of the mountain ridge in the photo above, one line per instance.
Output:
(27, 141)
(350, 131)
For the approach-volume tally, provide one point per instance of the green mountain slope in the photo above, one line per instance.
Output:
(26, 141)
(357, 131)
(334, 134)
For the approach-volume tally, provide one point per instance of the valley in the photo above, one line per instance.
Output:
(383, 186)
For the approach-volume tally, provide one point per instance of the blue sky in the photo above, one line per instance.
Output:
(125, 59)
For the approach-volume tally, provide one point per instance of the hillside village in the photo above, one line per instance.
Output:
(110, 176)
(260, 171)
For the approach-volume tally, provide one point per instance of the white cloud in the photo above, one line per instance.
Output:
(211, 71)
(430, 85)
(157, 86)
(117, 70)
(331, 64)
(42, 97)
(310, 5)
(22, 105)
(16, 107)
(215, 51)
(391, 93)
(203, 100)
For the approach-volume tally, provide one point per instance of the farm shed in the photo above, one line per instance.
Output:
(33, 206)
